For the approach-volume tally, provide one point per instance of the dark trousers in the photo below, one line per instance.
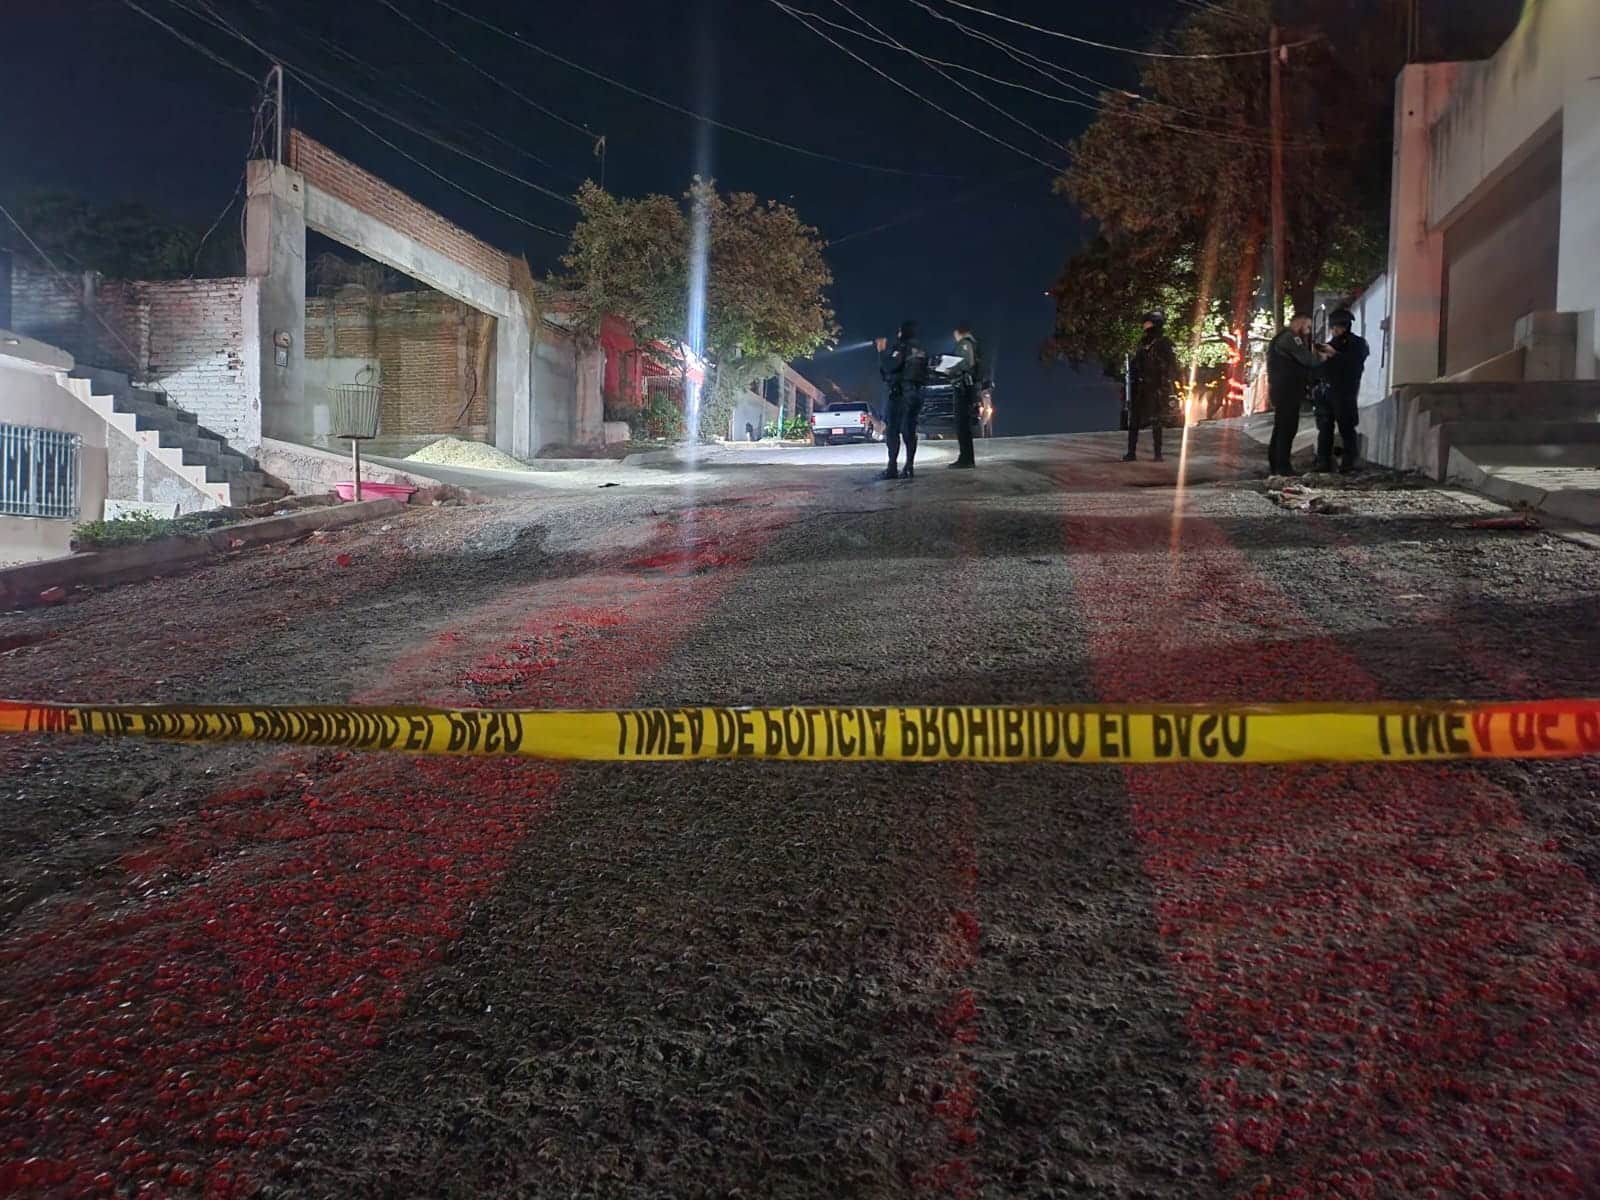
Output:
(1134, 425)
(1285, 425)
(1341, 413)
(904, 410)
(966, 417)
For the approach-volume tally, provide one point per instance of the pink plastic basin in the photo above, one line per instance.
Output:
(375, 491)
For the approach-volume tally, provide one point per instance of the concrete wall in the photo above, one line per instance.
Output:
(1371, 311)
(1500, 260)
(555, 382)
(1463, 130)
(750, 412)
(275, 256)
(30, 394)
(363, 212)
(133, 473)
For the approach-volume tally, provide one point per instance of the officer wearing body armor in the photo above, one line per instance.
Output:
(904, 368)
(968, 385)
(1152, 374)
(1338, 392)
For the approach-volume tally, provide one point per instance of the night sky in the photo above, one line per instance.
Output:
(99, 100)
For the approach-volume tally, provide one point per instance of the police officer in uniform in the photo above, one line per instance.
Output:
(1153, 373)
(904, 368)
(1293, 364)
(967, 386)
(1338, 394)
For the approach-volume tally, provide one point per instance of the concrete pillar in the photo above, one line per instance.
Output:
(275, 255)
(589, 423)
(1578, 286)
(1416, 251)
(513, 382)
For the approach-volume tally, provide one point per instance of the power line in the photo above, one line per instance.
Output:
(687, 112)
(877, 70)
(1040, 66)
(375, 134)
(379, 74)
(943, 74)
(917, 214)
(191, 43)
(953, 66)
(556, 233)
(205, 11)
(487, 74)
(1083, 41)
(1050, 71)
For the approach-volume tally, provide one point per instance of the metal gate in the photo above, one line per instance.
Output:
(38, 472)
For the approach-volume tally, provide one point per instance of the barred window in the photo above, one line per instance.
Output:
(38, 472)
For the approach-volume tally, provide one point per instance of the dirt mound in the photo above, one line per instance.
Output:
(454, 452)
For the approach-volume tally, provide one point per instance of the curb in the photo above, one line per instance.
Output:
(20, 587)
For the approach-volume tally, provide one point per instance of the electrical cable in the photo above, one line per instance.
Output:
(206, 12)
(378, 74)
(487, 74)
(945, 75)
(379, 137)
(953, 66)
(555, 233)
(191, 43)
(688, 112)
(1052, 71)
(917, 214)
(877, 70)
(1083, 41)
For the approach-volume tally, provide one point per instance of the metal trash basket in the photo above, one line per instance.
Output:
(355, 409)
(354, 416)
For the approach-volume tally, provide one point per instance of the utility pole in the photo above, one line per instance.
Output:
(1278, 232)
(275, 78)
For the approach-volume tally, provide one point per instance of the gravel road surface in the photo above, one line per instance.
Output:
(239, 971)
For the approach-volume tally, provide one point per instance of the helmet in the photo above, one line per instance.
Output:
(1154, 317)
(1342, 316)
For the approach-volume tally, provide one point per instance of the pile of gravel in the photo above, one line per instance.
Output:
(453, 452)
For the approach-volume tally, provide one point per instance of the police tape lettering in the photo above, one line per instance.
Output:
(1126, 735)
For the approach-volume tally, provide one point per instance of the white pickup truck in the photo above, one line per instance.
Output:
(842, 422)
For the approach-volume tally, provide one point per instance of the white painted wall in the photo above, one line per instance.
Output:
(31, 394)
(1371, 311)
(1493, 115)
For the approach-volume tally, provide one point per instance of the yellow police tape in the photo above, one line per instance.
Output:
(1268, 733)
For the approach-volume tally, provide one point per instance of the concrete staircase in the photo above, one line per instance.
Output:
(1536, 443)
(1417, 427)
(203, 459)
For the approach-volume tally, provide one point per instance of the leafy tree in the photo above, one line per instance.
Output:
(630, 259)
(124, 240)
(1178, 179)
(766, 280)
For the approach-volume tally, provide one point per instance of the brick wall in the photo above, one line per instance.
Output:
(185, 337)
(364, 191)
(195, 350)
(428, 348)
(98, 322)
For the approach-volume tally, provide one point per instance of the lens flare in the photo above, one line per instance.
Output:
(1186, 397)
(699, 253)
